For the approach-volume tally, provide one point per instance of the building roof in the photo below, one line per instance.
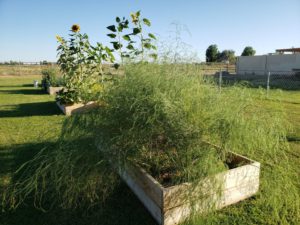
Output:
(293, 50)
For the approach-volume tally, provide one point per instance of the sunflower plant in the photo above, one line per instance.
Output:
(81, 65)
(130, 39)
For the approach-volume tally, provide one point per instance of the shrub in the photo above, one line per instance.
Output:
(50, 78)
(162, 117)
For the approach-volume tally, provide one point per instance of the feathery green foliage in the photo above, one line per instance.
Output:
(161, 117)
(71, 173)
(51, 78)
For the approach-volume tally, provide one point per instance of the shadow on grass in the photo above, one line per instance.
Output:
(12, 157)
(37, 91)
(32, 109)
(13, 86)
(121, 207)
(6, 161)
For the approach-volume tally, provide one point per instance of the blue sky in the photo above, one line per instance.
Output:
(28, 28)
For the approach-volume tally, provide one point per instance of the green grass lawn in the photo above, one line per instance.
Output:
(30, 120)
(27, 117)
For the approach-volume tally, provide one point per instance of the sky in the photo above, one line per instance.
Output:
(28, 27)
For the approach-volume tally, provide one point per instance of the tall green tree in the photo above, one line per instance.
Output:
(248, 51)
(212, 53)
(227, 55)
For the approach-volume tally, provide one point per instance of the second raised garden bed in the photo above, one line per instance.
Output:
(76, 107)
(53, 90)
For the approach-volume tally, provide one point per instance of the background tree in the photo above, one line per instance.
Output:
(248, 51)
(212, 53)
(227, 55)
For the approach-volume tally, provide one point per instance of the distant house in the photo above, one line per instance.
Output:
(276, 62)
(31, 63)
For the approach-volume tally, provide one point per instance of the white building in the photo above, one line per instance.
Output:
(261, 65)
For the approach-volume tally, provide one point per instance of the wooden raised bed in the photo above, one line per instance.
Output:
(170, 205)
(76, 108)
(53, 90)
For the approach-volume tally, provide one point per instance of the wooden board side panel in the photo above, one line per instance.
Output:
(76, 108)
(178, 214)
(150, 186)
(53, 90)
(139, 191)
(240, 176)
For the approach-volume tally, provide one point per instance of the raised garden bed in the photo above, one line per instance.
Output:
(53, 90)
(171, 205)
(76, 108)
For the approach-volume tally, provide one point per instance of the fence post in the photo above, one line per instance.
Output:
(268, 82)
(220, 80)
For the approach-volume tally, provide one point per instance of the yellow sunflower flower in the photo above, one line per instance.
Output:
(59, 38)
(75, 28)
(134, 17)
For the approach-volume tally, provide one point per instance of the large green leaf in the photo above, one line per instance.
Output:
(116, 45)
(147, 22)
(126, 37)
(108, 50)
(104, 57)
(147, 45)
(112, 28)
(152, 36)
(120, 28)
(111, 35)
(130, 47)
(136, 30)
(126, 23)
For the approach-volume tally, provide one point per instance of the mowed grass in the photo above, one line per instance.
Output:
(27, 117)
(30, 120)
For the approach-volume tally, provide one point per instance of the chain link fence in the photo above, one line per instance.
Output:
(271, 80)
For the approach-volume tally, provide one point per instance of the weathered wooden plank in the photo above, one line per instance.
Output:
(53, 90)
(76, 108)
(239, 193)
(142, 191)
(240, 176)
(228, 197)
(150, 186)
